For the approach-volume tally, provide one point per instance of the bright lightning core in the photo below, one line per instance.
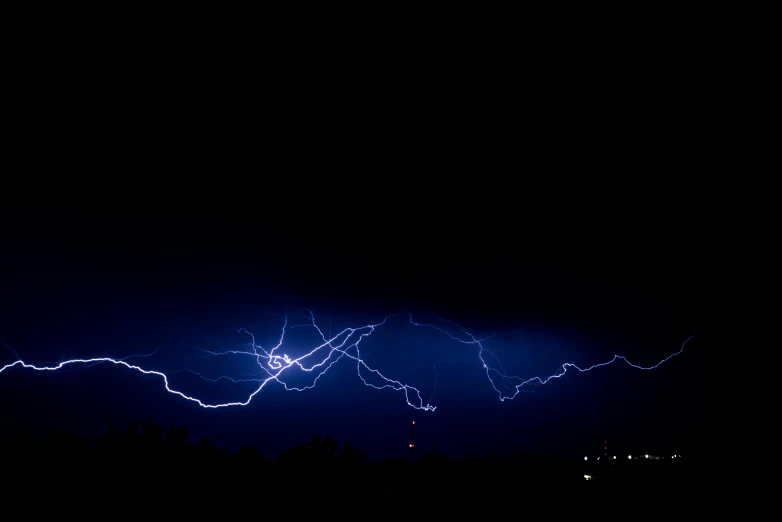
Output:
(279, 365)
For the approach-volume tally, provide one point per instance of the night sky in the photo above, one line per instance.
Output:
(557, 282)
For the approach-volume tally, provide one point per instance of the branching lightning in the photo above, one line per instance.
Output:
(500, 377)
(274, 365)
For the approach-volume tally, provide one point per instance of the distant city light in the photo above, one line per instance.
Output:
(646, 456)
(614, 457)
(588, 477)
(586, 458)
(411, 445)
(629, 456)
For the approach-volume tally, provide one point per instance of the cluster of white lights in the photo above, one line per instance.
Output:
(630, 457)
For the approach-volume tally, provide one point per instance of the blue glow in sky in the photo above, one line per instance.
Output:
(486, 354)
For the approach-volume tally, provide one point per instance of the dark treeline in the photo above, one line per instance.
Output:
(149, 465)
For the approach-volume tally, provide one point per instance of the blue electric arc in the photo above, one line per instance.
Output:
(274, 365)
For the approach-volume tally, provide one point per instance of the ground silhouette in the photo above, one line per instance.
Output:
(146, 468)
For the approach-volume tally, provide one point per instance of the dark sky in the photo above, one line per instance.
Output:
(575, 279)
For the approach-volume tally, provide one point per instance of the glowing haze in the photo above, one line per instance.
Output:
(274, 364)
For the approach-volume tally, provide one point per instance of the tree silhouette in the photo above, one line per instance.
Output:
(323, 449)
(176, 437)
(350, 456)
(148, 463)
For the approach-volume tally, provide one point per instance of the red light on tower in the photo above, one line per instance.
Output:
(412, 440)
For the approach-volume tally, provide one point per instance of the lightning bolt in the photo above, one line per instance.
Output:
(274, 365)
(517, 383)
